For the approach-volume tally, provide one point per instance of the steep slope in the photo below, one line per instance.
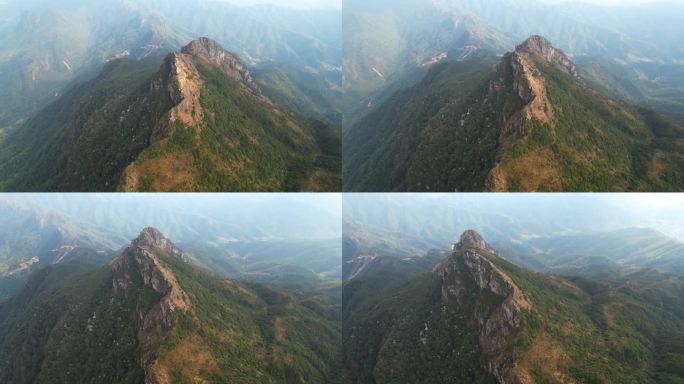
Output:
(199, 122)
(49, 46)
(82, 141)
(528, 124)
(30, 239)
(151, 317)
(478, 318)
(389, 45)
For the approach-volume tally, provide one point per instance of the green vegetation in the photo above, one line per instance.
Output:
(64, 328)
(275, 336)
(444, 135)
(84, 140)
(245, 144)
(436, 136)
(399, 331)
(69, 325)
(618, 330)
(307, 94)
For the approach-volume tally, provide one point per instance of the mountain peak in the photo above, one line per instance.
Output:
(214, 54)
(471, 239)
(496, 324)
(535, 43)
(542, 47)
(204, 46)
(152, 237)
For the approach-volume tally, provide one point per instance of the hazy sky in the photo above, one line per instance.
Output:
(303, 4)
(616, 2)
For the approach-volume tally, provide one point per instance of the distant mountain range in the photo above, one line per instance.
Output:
(562, 234)
(232, 240)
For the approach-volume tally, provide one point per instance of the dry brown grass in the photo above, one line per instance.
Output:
(535, 171)
(169, 172)
(546, 356)
(191, 359)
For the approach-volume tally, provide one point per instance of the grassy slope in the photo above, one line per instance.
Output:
(615, 331)
(388, 149)
(252, 333)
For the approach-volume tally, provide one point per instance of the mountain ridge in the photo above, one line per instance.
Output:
(140, 258)
(494, 328)
(529, 123)
(198, 121)
(150, 316)
(476, 317)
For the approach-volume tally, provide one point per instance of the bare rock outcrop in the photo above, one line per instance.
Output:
(213, 53)
(469, 274)
(141, 262)
(522, 72)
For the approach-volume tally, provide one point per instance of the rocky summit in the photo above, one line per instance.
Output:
(212, 52)
(473, 240)
(152, 237)
(539, 45)
(496, 325)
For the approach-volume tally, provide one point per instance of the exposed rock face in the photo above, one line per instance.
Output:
(528, 85)
(520, 71)
(472, 239)
(140, 261)
(468, 273)
(211, 52)
(184, 85)
(180, 81)
(538, 45)
(152, 237)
